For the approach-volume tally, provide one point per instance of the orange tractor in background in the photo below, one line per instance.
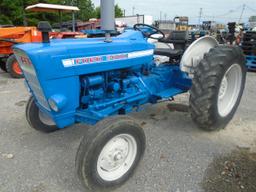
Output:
(13, 35)
(10, 36)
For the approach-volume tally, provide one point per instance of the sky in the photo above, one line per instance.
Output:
(222, 11)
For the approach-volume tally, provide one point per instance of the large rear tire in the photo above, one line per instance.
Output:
(37, 119)
(109, 153)
(217, 87)
(13, 68)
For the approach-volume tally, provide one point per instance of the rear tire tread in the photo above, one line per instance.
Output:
(206, 84)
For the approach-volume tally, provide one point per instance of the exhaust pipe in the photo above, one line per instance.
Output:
(107, 9)
(45, 28)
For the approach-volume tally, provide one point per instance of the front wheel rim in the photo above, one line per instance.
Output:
(117, 157)
(16, 68)
(45, 119)
(229, 89)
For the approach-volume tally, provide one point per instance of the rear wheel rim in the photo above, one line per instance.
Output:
(16, 68)
(117, 157)
(229, 90)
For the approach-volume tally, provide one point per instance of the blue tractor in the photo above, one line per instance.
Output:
(98, 81)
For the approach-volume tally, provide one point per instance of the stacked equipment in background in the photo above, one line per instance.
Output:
(249, 49)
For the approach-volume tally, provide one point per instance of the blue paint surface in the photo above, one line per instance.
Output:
(112, 78)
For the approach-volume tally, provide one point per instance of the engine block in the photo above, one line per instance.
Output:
(123, 91)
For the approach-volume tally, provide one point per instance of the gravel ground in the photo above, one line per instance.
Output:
(176, 159)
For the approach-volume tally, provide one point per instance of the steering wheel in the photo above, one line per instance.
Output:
(148, 31)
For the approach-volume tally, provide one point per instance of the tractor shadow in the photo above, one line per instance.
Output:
(4, 75)
(178, 107)
(172, 116)
(4, 78)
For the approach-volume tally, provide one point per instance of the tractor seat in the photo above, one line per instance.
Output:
(171, 53)
(179, 40)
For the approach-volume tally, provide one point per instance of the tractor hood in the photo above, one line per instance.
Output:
(70, 57)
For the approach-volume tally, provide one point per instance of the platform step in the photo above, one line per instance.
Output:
(170, 93)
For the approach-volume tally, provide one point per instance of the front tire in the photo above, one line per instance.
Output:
(109, 153)
(217, 87)
(13, 68)
(37, 119)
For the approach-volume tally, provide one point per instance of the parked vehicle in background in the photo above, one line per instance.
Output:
(135, 19)
(10, 36)
(14, 35)
(252, 22)
(249, 48)
(181, 23)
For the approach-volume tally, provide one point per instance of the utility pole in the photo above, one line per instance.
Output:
(124, 12)
(241, 16)
(200, 16)
(133, 10)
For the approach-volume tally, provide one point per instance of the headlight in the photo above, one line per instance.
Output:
(57, 102)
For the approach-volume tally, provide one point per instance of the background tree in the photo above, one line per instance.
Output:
(86, 10)
(13, 11)
(118, 12)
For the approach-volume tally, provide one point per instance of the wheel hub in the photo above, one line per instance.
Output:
(229, 90)
(116, 157)
(223, 88)
(16, 68)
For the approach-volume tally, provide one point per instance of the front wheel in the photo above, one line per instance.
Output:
(217, 87)
(109, 153)
(37, 119)
(13, 67)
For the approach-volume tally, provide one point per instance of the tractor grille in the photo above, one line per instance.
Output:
(32, 80)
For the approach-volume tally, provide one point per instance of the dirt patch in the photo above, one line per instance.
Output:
(177, 107)
(235, 172)
(157, 117)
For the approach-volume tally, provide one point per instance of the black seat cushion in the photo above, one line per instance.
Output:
(178, 38)
(173, 41)
(172, 53)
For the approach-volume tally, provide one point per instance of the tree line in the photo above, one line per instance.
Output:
(12, 12)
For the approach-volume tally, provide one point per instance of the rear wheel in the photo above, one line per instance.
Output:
(217, 88)
(109, 153)
(13, 67)
(37, 119)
